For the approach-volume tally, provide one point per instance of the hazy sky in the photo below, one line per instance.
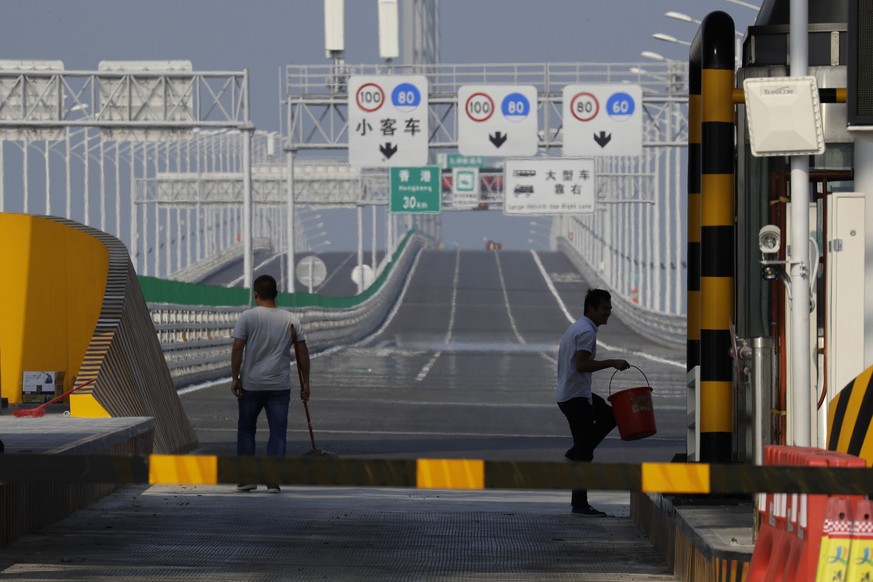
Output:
(265, 35)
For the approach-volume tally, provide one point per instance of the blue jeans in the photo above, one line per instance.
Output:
(250, 404)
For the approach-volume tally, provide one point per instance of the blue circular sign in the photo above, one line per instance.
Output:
(620, 106)
(515, 107)
(406, 97)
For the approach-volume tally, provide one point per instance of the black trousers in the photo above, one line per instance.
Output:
(590, 422)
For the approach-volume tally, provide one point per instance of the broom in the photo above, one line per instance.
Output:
(40, 410)
(315, 452)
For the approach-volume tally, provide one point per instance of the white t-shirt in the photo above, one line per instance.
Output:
(580, 336)
(267, 357)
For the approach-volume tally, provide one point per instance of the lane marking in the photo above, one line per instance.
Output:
(426, 369)
(334, 272)
(506, 300)
(603, 345)
(452, 309)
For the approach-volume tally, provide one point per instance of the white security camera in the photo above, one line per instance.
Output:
(769, 238)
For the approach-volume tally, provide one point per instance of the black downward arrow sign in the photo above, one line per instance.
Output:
(497, 139)
(603, 139)
(388, 150)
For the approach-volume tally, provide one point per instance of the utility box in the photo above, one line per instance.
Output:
(40, 387)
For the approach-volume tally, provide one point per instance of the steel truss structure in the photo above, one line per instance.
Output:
(47, 100)
(125, 119)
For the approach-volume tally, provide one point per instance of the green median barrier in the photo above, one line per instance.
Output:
(158, 290)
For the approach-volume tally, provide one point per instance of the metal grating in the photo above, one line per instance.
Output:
(179, 533)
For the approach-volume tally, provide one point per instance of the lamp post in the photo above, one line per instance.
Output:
(673, 69)
(324, 243)
(543, 231)
(304, 232)
(543, 241)
(311, 238)
(653, 55)
(683, 17)
(669, 38)
(746, 4)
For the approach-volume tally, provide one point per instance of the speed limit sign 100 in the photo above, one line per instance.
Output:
(479, 107)
(370, 97)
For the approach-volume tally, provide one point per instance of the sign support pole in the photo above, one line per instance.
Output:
(800, 346)
(247, 131)
(360, 280)
(289, 178)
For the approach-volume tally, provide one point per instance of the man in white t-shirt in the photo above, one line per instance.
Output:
(261, 371)
(589, 415)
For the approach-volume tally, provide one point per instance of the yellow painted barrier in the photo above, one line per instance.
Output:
(450, 474)
(176, 469)
(54, 282)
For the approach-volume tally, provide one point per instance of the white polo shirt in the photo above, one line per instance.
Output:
(580, 336)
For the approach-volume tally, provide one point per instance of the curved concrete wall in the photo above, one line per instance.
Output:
(72, 281)
(54, 278)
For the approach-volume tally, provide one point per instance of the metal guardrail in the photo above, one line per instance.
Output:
(664, 328)
(196, 339)
(199, 271)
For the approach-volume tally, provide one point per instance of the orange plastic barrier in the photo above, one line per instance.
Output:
(860, 565)
(833, 559)
(789, 547)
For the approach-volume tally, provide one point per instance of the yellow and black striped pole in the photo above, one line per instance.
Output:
(693, 284)
(716, 45)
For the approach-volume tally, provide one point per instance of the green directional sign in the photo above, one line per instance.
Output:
(416, 190)
(460, 161)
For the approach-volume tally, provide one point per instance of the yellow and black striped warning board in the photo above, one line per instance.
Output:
(680, 478)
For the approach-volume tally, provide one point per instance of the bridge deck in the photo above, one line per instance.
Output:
(306, 533)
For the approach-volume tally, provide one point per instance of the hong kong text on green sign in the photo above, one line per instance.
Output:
(416, 190)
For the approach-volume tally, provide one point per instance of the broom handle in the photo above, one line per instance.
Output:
(309, 423)
(67, 393)
(300, 376)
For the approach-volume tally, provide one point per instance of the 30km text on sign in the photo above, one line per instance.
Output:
(416, 190)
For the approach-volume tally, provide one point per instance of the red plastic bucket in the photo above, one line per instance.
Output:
(633, 409)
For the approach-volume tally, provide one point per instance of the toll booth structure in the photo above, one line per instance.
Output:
(754, 352)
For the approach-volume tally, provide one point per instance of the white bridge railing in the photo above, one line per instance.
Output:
(196, 339)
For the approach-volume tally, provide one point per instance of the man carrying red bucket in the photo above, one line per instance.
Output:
(589, 416)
